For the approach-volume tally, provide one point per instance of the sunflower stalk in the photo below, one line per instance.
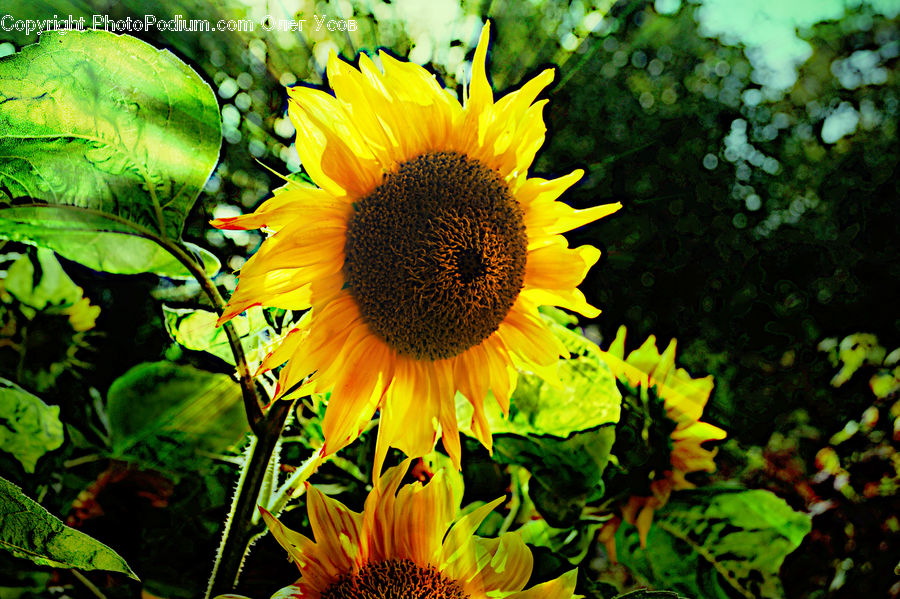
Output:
(226, 529)
(258, 468)
(239, 527)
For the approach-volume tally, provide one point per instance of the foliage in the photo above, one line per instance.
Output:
(30, 428)
(157, 399)
(755, 225)
(29, 531)
(846, 477)
(713, 542)
(82, 170)
(196, 329)
(560, 429)
(40, 303)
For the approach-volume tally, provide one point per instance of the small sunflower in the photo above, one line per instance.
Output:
(683, 400)
(422, 252)
(408, 542)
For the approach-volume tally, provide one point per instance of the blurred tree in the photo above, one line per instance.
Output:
(752, 227)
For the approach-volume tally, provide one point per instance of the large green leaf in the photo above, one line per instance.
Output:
(715, 543)
(113, 139)
(154, 399)
(29, 428)
(561, 431)
(29, 531)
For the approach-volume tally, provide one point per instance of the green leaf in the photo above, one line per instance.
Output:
(571, 543)
(96, 240)
(561, 431)
(114, 138)
(197, 330)
(29, 531)
(154, 399)
(51, 285)
(598, 589)
(29, 428)
(565, 471)
(709, 543)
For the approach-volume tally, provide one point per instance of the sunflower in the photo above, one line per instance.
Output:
(408, 542)
(683, 401)
(422, 252)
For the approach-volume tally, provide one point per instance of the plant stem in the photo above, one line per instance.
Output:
(266, 429)
(90, 585)
(239, 528)
(252, 405)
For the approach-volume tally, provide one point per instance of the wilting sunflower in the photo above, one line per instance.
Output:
(400, 546)
(683, 400)
(423, 253)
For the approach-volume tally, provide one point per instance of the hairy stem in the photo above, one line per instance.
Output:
(266, 429)
(239, 529)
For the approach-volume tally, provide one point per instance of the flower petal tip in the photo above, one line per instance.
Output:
(227, 223)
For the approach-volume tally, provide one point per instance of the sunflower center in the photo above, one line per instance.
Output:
(435, 256)
(394, 579)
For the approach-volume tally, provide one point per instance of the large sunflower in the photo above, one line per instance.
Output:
(400, 546)
(684, 399)
(423, 253)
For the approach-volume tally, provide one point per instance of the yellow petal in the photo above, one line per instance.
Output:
(472, 375)
(568, 218)
(558, 267)
(294, 201)
(363, 104)
(357, 391)
(511, 108)
(642, 522)
(479, 95)
(530, 337)
(502, 374)
(558, 588)
(284, 349)
(410, 412)
(571, 299)
(505, 566)
(530, 135)
(445, 391)
(536, 192)
(317, 572)
(425, 105)
(617, 347)
(378, 516)
(302, 243)
(457, 559)
(328, 339)
(422, 514)
(700, 431)
(336, 529)
(324, 154)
